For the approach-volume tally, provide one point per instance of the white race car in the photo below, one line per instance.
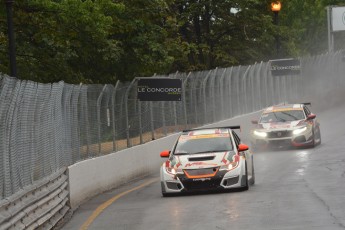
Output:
(286, 125)
(207, 159)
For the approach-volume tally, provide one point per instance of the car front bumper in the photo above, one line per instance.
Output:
(223, 180)
(282, 138)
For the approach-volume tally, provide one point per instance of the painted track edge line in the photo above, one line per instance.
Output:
(106, 204)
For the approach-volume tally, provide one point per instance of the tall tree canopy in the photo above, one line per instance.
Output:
(102, 41)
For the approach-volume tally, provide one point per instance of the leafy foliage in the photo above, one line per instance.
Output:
(102, 41)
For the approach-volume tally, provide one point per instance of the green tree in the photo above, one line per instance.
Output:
(307, 23)
(144, 39)
(102, 41)
(64, 40)
(223, 32)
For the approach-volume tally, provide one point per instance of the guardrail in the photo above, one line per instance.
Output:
(41, 205)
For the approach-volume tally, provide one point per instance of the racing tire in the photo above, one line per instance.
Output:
(252, 181)
(313, 142)
(164, 194)
(246, 187)
(319, 135)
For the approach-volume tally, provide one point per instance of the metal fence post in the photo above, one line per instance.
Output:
(163, 118)
(174, 106)
(84, 116)
(214, 95)
(140, 123)
(222, 94)
(229, 90)
(126, 111)
(251, 80)
(204, 94)
(258, 86)
(278, 89)
(244, 87)
(184, 98)
(99, 101)
(151, 121)
(113, 102)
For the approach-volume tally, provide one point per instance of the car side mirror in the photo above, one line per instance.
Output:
(242, 147)
(311, 117)
(255, 122)
(165, 153)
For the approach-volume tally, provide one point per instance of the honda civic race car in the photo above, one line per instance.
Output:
(286, 125)
(207, 159)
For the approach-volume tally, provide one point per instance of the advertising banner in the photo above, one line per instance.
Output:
(338, 19)
(283, 67)
(159, 89)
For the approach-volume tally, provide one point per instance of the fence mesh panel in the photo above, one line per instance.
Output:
(45, 127)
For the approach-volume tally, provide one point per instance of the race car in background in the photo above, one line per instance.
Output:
(286, 125)
(207, 159)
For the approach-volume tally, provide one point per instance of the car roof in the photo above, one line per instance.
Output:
(284, 107)
(197, 132)
(215, 131)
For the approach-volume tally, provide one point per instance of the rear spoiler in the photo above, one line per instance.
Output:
(306, 103)
(223, 127)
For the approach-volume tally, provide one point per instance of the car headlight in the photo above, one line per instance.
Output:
(260, 134)
(300, 130)
(171, 170)
(228, 167)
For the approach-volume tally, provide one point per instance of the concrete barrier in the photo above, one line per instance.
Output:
(94, 176)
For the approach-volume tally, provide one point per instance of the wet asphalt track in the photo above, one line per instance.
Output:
(295, 189)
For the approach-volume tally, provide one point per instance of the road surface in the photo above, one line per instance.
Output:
(295, 189)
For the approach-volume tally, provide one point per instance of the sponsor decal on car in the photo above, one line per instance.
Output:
(199, 164)
(191, 137)
(202, 179)
(280, 110)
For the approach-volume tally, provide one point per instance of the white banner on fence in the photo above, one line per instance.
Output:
(338, 18)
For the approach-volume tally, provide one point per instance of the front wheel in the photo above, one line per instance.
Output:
(319, 135)
(165, 194)
(253, 174)
(312, 145)
(246, 187)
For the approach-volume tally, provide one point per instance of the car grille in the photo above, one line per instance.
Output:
(191, 185)
(204, 171)
(208, 158)
(231, 181)
(280, 143)
(279, 134)
(173, 185)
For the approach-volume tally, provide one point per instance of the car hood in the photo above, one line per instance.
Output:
(203, 160)
(280, 125)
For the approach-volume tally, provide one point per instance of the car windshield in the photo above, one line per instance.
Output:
(282, 116)
(203, 144)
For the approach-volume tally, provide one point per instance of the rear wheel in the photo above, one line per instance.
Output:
(246, 187)
(165, 194)
(313, 141)
(252, 181)
(316, 137)
(319, 135)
